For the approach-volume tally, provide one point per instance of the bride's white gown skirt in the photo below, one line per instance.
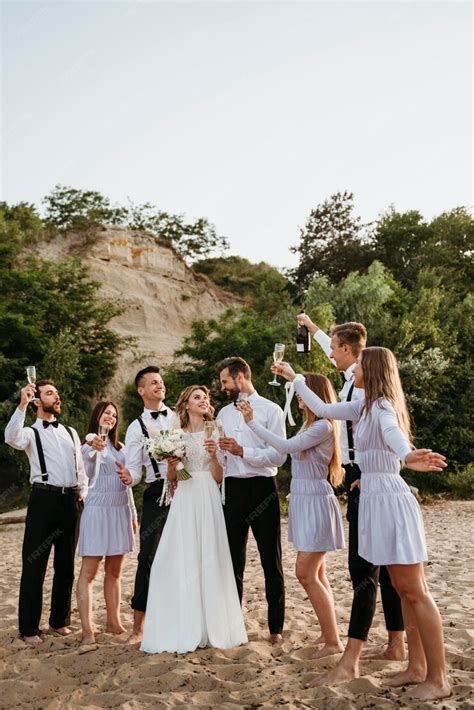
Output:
(192, 598)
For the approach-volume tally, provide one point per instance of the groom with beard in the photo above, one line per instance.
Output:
(251, 492)
(59, 484)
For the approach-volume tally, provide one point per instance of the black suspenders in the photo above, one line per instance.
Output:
(350, 433)
(147, 436)
(42, 462)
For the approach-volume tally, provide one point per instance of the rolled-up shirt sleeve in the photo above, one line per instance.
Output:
(267, 455)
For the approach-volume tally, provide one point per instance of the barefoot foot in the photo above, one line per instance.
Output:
(336, 675)
(62, 631)
(328, 650)
(87, 639)
(32, 640)
(406, 677)
(115, 629)
(429, 691)
(392, 652)
(276, 638)
(319, 641)
(134, 638)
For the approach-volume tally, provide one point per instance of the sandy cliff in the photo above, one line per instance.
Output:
(161, 294)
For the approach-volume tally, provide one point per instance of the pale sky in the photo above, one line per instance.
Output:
(247, 113)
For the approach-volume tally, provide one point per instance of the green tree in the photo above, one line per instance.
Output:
(333, 243)
(51, 316)
(70, 209)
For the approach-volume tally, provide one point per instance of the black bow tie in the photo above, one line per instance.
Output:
(163, 412)
(55, 424)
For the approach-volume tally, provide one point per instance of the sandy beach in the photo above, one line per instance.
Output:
(60, 674)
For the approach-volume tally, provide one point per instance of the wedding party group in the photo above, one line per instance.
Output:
(209, 480)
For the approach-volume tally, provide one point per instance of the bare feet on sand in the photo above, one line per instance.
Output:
(328, 650)
(115, 629)
(32, 640)
(134, 638)
(336, 675)
(319, 641)
(87, 639)
(276, 638)
(429, 691)
(406, 677)
(392, 652)
(62, 631)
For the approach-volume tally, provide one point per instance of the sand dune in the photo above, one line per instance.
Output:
(61, 675)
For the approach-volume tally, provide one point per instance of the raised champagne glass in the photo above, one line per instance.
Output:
(278, 353)
(31, 377)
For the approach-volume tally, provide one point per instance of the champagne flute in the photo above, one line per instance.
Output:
(241, 397)
(278, 352)
(103, 432)
(31, 377)
(220, 430)
(208, 429)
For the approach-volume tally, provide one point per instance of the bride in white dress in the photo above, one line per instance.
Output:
(192, 597)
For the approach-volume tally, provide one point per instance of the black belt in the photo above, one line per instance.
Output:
(56, 489)
(154, 483)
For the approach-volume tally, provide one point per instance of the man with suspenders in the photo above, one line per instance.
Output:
(59, 484)
(343, 346)
(155, 416)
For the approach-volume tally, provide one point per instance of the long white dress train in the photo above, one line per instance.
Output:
(192, 597)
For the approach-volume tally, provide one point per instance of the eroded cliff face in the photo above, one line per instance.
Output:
(161, 294)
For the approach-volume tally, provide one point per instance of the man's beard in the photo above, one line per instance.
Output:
(52, 408)
(232, 394)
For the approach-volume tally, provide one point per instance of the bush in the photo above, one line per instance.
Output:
(462, 483)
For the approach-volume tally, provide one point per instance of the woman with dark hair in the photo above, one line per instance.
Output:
(108, 522)
(192, 597)
(314, 520)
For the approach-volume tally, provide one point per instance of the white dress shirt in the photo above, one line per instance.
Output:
(357, 393)
(259, 458)
(58, 452)
(136, 455)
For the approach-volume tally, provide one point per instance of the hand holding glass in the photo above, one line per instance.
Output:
(103, 432)
(31, 377)
(278, 353)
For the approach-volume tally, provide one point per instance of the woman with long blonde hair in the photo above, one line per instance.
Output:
(391, 530)
(314, 521)
(192, 598)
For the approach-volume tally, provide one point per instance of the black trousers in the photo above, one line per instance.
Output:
(153, 521)
(52, 520)
(253, 503)
(365, 576)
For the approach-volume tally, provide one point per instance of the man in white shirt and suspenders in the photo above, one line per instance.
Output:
(343, 347)
(59, 484)
(155, 416)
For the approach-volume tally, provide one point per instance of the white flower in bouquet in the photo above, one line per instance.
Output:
(168, 444)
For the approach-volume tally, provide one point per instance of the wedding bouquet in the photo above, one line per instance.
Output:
(166, 444)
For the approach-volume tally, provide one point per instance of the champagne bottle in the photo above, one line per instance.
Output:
(303, 339)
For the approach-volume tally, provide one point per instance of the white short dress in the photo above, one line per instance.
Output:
(314, 516)
(106, 521)
(391, 529)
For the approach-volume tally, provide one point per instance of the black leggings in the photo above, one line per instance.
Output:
(365, 577)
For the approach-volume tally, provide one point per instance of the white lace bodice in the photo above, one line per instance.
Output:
(197, 458)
